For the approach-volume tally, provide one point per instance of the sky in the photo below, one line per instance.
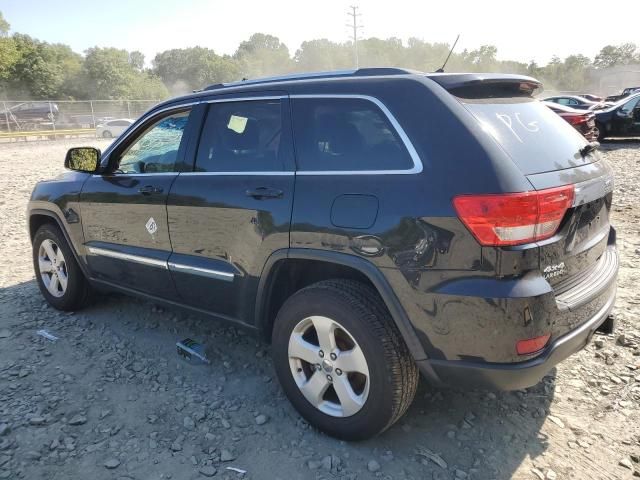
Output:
(521, 31)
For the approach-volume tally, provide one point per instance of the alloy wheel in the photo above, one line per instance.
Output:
(53, 268)
(328, 366)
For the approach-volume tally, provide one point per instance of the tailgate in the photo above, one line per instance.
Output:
(576, 255)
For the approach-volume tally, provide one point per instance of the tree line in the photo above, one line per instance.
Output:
(34, 69)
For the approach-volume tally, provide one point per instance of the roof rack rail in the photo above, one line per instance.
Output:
(361, 72)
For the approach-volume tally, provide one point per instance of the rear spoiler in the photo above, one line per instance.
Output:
(487, 85)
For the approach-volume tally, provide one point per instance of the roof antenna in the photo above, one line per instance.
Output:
(441, 69)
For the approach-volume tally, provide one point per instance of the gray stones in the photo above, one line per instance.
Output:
(78, 420)
(112, 463)
(208, 470)
(373, 466)
(262, 419)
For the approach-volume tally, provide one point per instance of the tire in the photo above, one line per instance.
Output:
(107, 134)
(361, 322)
(77, 291)
(601, 133)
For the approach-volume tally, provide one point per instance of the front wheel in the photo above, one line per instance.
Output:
(342, 361)
(59, 276)
(107, 134)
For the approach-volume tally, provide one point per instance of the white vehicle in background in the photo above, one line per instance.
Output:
(113, 128)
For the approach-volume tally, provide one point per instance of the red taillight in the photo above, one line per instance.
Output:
(514, 218)
(576, 119)
(532, 345)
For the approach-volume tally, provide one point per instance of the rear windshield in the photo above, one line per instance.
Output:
(536, 138)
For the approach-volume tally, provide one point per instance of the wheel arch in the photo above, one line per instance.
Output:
(355, 267)
(39, 217)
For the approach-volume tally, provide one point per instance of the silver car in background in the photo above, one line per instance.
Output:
(113, 128)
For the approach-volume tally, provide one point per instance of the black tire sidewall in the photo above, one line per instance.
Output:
(76, 287)
(377, 412)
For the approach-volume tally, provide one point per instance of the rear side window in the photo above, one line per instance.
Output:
(346, 134)
(536, 138)
(241, 137)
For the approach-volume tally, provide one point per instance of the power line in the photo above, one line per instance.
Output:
(354, 25)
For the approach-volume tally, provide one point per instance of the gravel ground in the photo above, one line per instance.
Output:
(111, 399)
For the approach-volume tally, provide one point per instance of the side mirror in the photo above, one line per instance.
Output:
(82, 159)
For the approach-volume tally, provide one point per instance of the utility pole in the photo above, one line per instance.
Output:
(354, 25)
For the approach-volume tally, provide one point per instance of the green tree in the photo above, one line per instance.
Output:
(612, 55)
(4, 26)
(108, 73)
(186, 69)
(41, 70)
(425, 56)
(323, 55)
(375, 52)
(262, 55)
(8, 58)
(136, 60)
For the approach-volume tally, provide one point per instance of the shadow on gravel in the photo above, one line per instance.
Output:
(126, 348)
(619, 143)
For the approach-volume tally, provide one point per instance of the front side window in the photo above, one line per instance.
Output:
(630, 105)
(242, 136)
(346, 134)
(156, 149)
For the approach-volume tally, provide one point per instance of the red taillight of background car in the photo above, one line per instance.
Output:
(576, 119)
(514, 218)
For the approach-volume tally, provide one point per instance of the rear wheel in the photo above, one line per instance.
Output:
(59, 276)
(341, 360)
(107, 134)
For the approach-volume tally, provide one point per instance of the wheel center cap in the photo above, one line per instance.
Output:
(327, 366)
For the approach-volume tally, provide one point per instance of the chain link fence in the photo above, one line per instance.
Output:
(43, 119)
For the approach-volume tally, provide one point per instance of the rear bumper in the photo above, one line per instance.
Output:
(513, 376)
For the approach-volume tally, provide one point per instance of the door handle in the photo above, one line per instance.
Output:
(264, 192)
(150, 189)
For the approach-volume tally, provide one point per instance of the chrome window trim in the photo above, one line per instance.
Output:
(244, 99)
(153, 262)
(204, 272)
(278, 173)
(146, 175)
(417, 163)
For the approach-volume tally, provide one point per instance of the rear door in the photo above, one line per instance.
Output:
(124, 213)
(234, 209)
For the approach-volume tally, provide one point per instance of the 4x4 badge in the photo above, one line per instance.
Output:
(554, 270)
(152, 226)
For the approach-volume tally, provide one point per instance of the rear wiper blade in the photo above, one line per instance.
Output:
(588, 148)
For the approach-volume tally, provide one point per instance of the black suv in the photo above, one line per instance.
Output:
(369, 224)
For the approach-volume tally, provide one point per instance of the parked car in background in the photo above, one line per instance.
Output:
(574, 101)
(583, 121)
(625, 93)
(113, 128)
(370, 224)
(31, 112)
(620, 120)
(590, 96)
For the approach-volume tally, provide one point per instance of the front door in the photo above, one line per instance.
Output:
(124, 213)
(229, 214)
(627, 119)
